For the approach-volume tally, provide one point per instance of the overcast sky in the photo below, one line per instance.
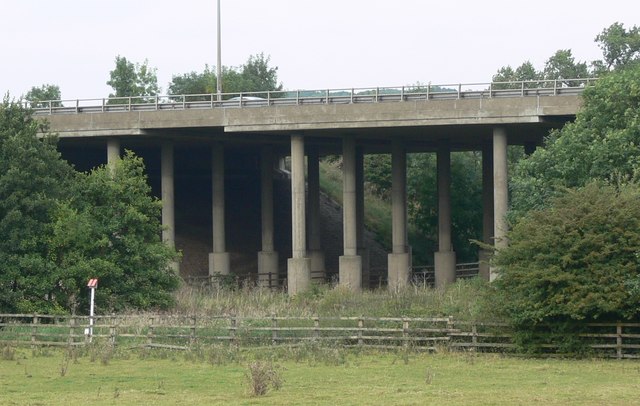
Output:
(315, 44)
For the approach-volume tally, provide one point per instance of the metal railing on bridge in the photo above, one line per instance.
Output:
(425, 92)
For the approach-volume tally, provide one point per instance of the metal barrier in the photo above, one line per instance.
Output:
(426, 92)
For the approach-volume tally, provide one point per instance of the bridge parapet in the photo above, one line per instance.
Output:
(426, 92)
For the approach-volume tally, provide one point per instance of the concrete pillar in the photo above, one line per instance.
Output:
(299, 266)
(268, 257)
(363, 250)
(500, 191)
(219, 259)
(113, 152)
(445, 258)
(315, 253)
(167, 194)
(484, 255)
(350, 264)
(398, 261)
(168, 198)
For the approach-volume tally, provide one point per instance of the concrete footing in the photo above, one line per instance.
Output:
(350, 268)
(363, 252)
(267, 269)
(445, 268)
(484, 256)
(219, 263)
(298, 275)
(399, 270)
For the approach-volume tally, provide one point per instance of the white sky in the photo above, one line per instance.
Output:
(315, 44)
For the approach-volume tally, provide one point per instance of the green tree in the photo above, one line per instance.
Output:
(60, 227)
(524, 72)
(620, 47)
(110, 229)
(43, 96)
(128, 80)
(602, 144)
(253, 76)
(563, 66)
(32, 179)
(193, 83)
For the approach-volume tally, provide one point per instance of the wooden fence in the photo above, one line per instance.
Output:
(617, 340)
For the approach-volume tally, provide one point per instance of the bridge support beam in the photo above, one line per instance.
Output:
(484, 255)
(113, 152)
(445, 258)
(399, 261)
(168, 197)
(268, 257)
(350, 264)
(299, 266)
(316, 255)
(363, 250)
(500, 191)
(219, 259)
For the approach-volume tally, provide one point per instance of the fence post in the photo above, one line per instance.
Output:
(150, 333)
(72, 322)
(274, 329)
(474, 337)
(450, 327)
(405, 332)
(360, 328)
(233, 325)
(619, 340)
(194, 327)
(316, 327)
(112, 330)
(34, 330)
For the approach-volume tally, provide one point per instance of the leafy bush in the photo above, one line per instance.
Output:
(577, 260)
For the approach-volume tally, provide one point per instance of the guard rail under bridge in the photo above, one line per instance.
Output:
(489, 90)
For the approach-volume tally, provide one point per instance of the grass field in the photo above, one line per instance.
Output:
(333, 377)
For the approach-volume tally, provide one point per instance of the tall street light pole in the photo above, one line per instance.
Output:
(219, 64)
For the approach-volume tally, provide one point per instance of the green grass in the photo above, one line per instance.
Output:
(353, 379)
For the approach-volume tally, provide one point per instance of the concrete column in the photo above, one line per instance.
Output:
(363, 251)
(299, 266)
(167, 194)
(484, 255)
(445, 258)
(168, 198)
(500, 190)
(350, 264)
(398, 260)
(313, 185)
(219, 259)
(113, 152)
(268, 257)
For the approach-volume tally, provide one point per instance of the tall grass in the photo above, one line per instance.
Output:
(464, 300)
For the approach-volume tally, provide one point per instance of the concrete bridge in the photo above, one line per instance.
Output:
(248, 134)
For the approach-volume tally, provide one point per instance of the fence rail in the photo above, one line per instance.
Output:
(425, 92)
(616, 340)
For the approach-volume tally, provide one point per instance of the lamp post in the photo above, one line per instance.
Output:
(219, 63)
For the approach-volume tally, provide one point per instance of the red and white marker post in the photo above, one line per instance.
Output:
(92, 285)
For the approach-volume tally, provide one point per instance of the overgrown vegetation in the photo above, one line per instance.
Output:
(60, 227)
(464, 300)
(574, 253)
